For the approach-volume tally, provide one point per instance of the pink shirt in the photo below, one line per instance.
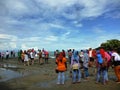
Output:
(107, 56)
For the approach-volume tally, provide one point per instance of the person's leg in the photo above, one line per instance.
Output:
(79, 75)
(106, 76)
(59, 78)
(47, 60)
(86, 72)
(104, 73)
(74, 73)
(28, 62)
(98, 74)
(63, 78)
(117, 72)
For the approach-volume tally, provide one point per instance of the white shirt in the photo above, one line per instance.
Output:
(7, 53)
(90, 53)
(31, 55)
(26, 58)
(116, 56)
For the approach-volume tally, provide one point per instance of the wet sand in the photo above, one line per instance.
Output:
(43, 77)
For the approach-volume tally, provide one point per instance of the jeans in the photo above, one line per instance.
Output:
(76, 75)
(86, 72)
(61, 78)
(104, 74)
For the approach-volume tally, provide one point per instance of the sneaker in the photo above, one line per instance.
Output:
(73, 82)
(58, 83)
(96, 82)
(117, 81)
(104, 83)
(78, 81)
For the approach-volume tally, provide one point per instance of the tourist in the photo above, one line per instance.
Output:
(75, 66)
(116, 63)
(61, 67)
(101, 69)
(85, 64)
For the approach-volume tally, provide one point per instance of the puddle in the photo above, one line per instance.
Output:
(7, 74)
(8, 71)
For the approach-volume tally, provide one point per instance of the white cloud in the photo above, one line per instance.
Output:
(98, 30)
(13, 45)
(8, 37)
(8, 41)
(58, 3)
(47, 21)
(56, 26)
(51, 38)
(26, 47)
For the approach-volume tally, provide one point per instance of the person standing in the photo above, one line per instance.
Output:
(32, 56)
(116, 63)
(61, 67)
(107, 61)
(100, 68)
(26, 59)
(85, 64)
(7, 54)
(40, 57)
(75, 66)
(46, 57)
(69, 55)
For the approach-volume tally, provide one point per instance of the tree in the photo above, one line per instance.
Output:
(111, 44)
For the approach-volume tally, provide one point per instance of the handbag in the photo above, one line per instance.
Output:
(75, 66)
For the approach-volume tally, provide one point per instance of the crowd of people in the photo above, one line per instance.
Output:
(27, 57)
(75, 62)
(6, 55)
(85, 59)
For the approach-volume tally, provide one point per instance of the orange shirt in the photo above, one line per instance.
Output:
(61, 65)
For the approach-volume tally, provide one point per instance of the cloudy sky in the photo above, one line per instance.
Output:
(58, 24)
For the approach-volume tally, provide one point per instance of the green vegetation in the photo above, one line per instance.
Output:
(111, 44)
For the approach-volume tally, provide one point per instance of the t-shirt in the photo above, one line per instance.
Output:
(90, 53)
(99, 58)
(61, 65)
(107, 56)
(31, 55)
(116, 56)
(26, 57)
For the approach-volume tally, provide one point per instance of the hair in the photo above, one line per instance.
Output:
(60, 57)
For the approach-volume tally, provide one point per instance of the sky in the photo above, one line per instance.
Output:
(58, 24)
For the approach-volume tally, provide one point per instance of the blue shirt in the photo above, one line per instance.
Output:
(99, 58)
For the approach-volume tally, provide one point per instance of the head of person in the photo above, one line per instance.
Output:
(60, 57)
(98, 51)
(75, 54)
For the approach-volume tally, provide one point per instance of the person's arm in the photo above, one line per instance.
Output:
(66, 65)
(56, 61)
(112, 61)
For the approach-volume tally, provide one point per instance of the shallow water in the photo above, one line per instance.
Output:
(7, 74)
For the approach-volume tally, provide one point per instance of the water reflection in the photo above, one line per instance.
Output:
(7, 74)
